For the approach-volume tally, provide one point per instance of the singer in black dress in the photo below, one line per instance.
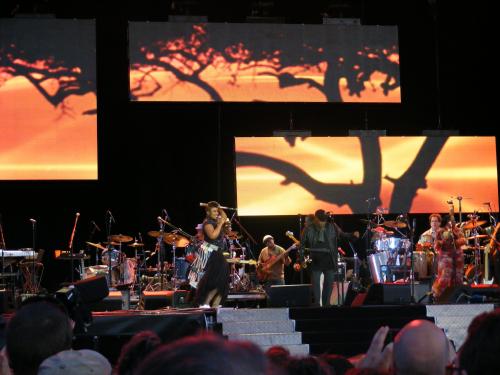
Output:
(213, 287)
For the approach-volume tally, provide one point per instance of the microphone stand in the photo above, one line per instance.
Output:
(301, 251)
(71, 249)
(109, 223)
(33, 267)
(249, 236)
(412, 263)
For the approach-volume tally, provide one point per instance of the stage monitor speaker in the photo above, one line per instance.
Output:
(388, 294)
(112, 302)
(164, 298)
(289, 295)
(469, 294)
(93, 289)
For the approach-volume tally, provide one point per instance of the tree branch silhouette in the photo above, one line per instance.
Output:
(353, 195)
(414, 178)
(72, 80)
(187, 55)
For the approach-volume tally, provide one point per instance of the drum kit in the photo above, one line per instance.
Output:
(391, 252)
(390, 247)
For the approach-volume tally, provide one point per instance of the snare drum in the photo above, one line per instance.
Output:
(375, 262)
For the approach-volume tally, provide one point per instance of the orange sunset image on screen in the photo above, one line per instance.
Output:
(48, 105)
(278, 176)
(203, 63)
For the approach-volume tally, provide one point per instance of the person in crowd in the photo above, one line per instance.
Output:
(278, 356)
(76, 362)
(479, 354)
(205, 355)
(309, 365)
(337, 363)
(134, 352)
(37, 331)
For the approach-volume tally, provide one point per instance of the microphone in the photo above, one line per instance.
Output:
(341, 251)
(162, 220)
(223, 207)
(111, 216)
(414, 224)
(33, 221)
(370, 199)
(95, 225)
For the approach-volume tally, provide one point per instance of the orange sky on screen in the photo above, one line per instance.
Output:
(250, 86)
(466, 166)
(38, 142)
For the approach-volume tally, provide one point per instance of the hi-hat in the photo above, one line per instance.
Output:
(136, 244)
(394, 224)
(97, 245)
(473, 224)
(120, 238)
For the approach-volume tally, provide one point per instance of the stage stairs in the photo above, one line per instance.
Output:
(265, 327)
(349, 330)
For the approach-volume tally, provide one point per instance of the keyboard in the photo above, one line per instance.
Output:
(22, 253)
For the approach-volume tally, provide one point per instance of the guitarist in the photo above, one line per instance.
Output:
(267, 254)
(321, 239)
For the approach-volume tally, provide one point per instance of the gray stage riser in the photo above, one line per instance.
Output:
(270, 339)
(276, 326)
(245, 315)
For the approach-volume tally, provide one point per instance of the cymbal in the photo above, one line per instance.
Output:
(175, 239)
(382, 230)
(477, 236)
(154, 233)
(473, 224)
(136, 244)
(120, 238)
(233, 235)
(97, 245)
(394, 224)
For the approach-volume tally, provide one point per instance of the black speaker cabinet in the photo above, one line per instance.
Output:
(388, 294)
(289, 295)
(161, 299)
(93, 289)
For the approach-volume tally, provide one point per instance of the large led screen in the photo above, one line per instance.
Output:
(263, 62)
(288, 176)
(48, 106)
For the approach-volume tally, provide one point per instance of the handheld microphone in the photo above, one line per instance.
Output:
(164, 211)
(33, 221)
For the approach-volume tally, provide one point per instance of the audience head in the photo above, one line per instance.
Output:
(421, 348)
(205, 355)
(337, 363)
(480, 352)
(278, 355)
(37, 331)
(75, 362)
(308, 366)
(134, 352)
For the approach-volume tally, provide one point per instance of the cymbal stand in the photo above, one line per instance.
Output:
(159, 253)
(109, 220)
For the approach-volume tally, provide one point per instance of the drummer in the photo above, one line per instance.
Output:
(429, 236)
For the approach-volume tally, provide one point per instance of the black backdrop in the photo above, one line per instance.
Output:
(175, 155)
